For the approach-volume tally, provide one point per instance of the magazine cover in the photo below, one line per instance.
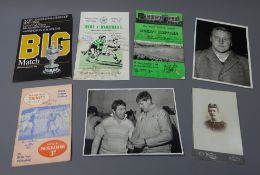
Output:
(222, 53)
(103, 46)
(216, 128)
(44, 49)
(132, 122)
(158, 45)
(44, 126)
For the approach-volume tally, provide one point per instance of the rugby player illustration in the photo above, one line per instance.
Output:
(104, 47)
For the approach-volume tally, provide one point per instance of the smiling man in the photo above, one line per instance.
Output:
(220, 62)
(113, 133)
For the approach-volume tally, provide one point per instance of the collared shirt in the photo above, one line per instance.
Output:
(114, 134)
(221, 58)
(99, 42)
(155, 127)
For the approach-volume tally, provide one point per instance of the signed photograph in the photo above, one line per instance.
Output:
(222, 53)
(216, 128)
(131, 122)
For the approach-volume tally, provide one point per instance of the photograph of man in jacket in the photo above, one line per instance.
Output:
(153, 131)
(220, 62)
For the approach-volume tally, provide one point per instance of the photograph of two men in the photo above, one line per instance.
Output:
(131, 121)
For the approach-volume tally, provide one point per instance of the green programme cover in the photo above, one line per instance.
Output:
(158, 45)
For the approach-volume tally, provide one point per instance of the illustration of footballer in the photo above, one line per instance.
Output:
(104, 47)
(97, 46)
(111, 48)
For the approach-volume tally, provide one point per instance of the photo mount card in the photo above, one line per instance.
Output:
(44, 49)
(120, 136)
(103, 46)
(44, 126)
(158, 45)
(222, 53)
(216, 128)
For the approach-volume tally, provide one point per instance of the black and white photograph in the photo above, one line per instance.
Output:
(158, 51)
(222, 53)
(216, 128)
(131, 122)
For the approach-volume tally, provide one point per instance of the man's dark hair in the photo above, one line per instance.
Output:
(117, 103)
(221, 29)
(102, 36)
(130, 112)
(143, 96)
(92, 110)
(213, 105)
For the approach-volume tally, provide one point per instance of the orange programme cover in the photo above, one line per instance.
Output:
(44, 126)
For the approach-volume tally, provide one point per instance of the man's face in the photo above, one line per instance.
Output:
(120, 112)
(221, 41)
(144, 105)
(213, 113)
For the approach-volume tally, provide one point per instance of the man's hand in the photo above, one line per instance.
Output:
(130, 145)
(140, 143)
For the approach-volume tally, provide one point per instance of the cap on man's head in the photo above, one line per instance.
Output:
(213, 105)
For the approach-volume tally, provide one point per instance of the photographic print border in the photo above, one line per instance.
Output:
(133, 154)
(210, 155)
(248, 50)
